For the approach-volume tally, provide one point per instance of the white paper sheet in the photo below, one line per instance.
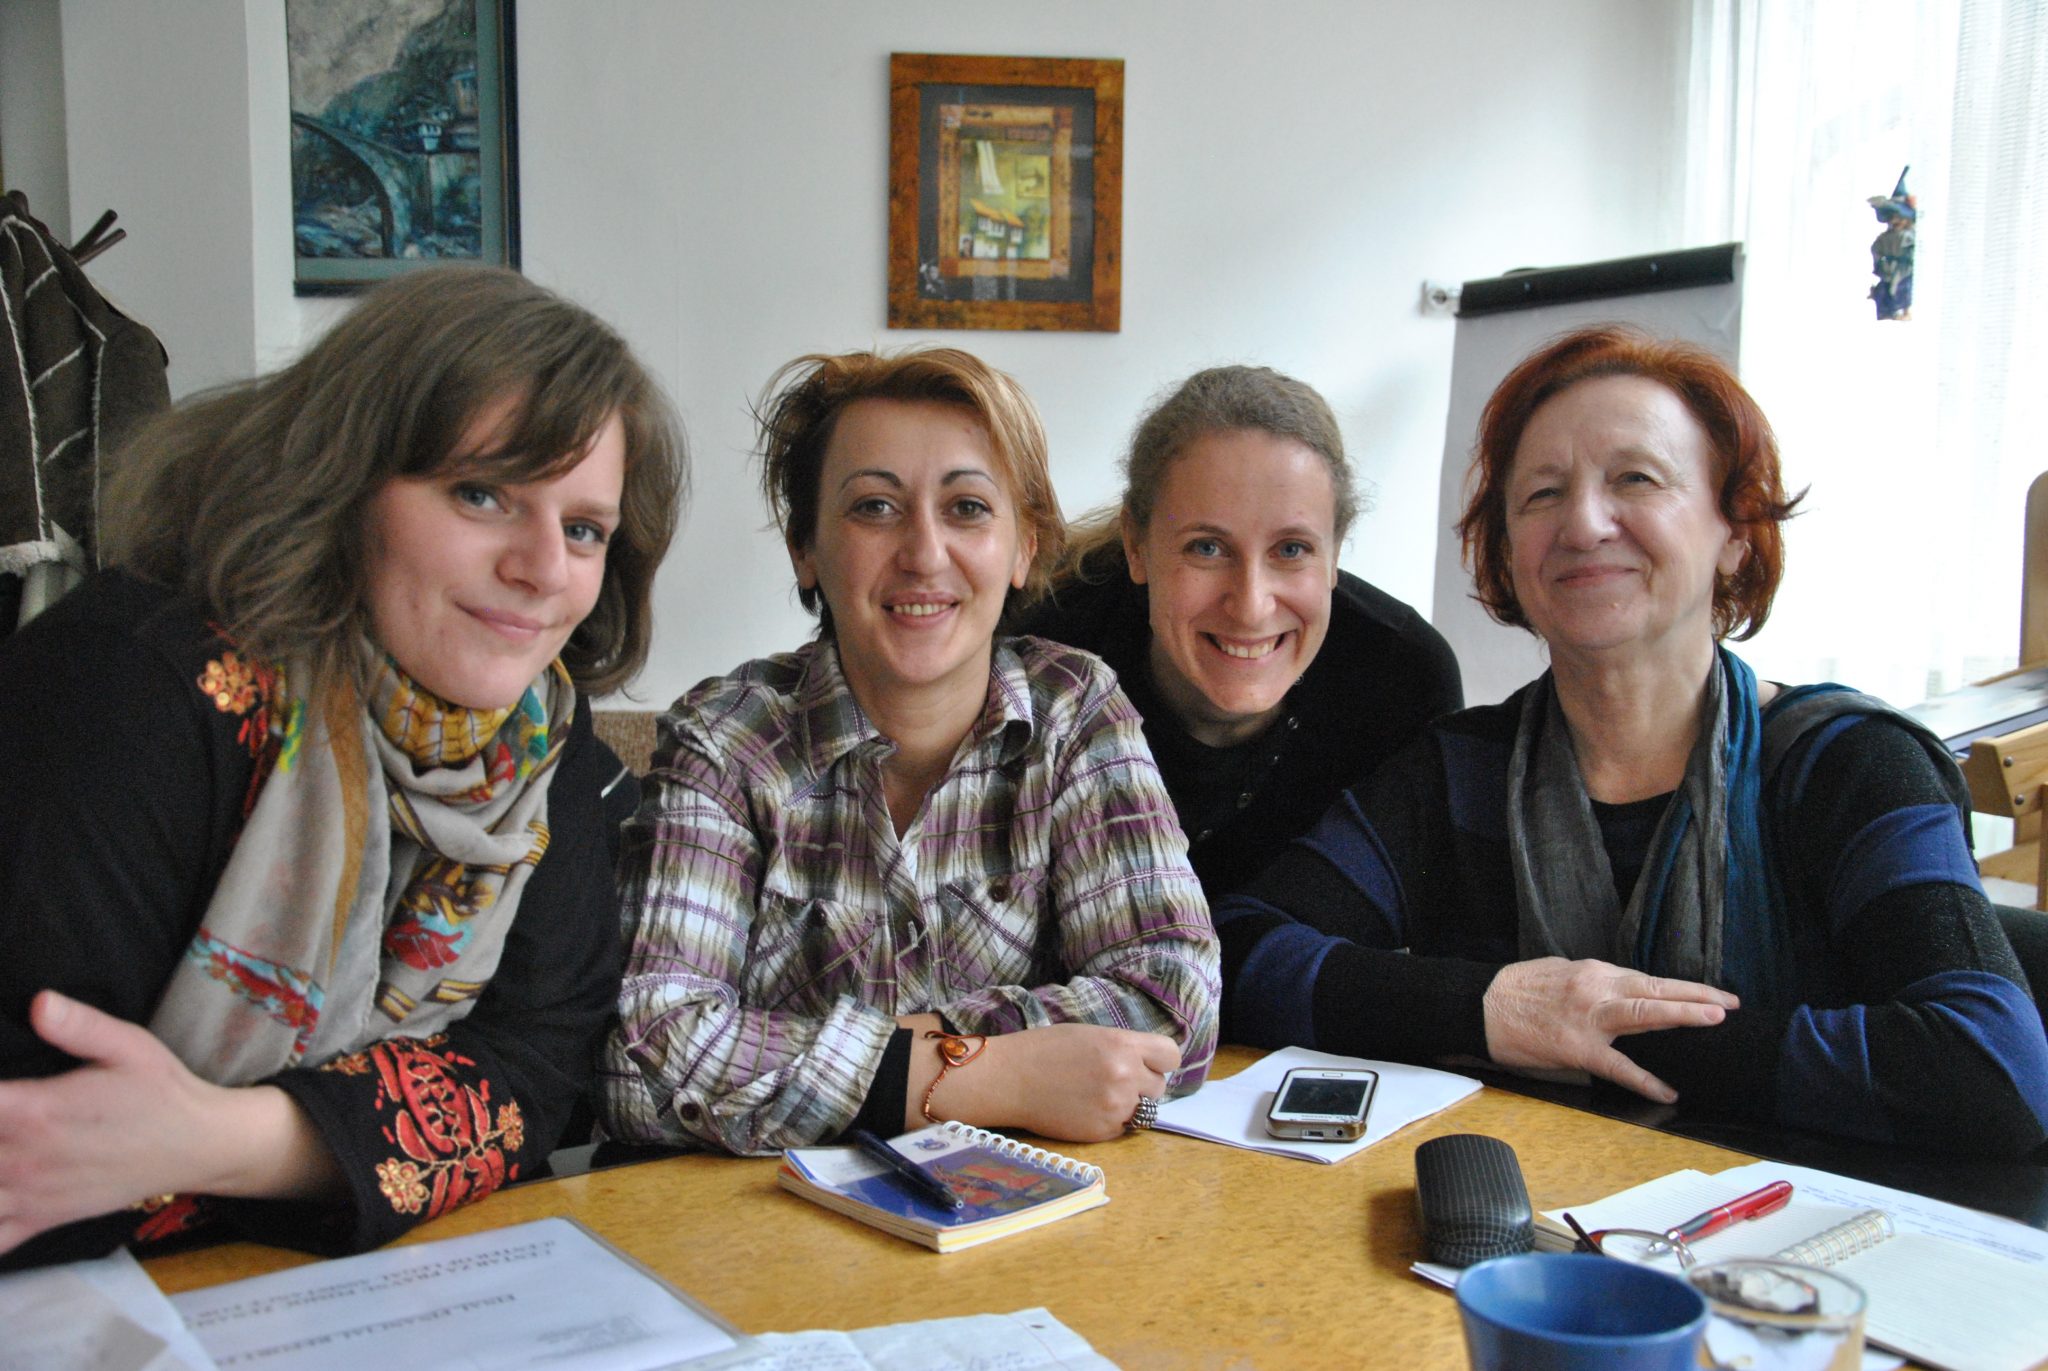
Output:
(1233, 1110)
(1873, 1359)
(544, 1293)
(104, 1315)
(1954, 1288)
(1029, 1340)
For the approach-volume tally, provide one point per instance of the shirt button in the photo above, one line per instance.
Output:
(1244, 801)
(999, 891)
(689, 1110)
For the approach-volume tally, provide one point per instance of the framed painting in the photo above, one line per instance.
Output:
(1005, 192)
(404, 150)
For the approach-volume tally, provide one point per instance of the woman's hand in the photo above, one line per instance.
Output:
(1072, 1081)
(133, 1122)
(1553, 1015)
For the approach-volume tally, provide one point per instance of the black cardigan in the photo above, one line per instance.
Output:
(1382, 674)
(1378, 934)
(126, 799)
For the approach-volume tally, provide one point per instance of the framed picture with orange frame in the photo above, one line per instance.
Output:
(1005, 192)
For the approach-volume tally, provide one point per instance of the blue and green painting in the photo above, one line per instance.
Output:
(387, 136)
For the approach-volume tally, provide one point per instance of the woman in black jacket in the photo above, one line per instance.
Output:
(1269, 679)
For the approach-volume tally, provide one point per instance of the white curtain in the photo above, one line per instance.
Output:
(1918, 438)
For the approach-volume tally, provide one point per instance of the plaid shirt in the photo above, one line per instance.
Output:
(777, 924)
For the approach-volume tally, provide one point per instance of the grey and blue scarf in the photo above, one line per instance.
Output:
(1708, 905)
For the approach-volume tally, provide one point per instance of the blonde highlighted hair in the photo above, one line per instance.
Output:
(801, 405)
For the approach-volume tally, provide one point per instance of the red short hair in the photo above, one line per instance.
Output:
(1753, 498)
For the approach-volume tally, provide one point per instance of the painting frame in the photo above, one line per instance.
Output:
(405, 178)
(1021, 227)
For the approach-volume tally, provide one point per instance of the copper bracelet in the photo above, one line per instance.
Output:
(955, 1049)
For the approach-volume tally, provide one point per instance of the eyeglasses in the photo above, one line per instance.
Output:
(1637, 1245)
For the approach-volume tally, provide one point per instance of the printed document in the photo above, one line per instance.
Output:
(1029, 1340)
(545, 1293)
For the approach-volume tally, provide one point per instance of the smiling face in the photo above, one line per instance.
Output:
(475, 585)
(917, 545)
(1615, 534)
(1238, 564)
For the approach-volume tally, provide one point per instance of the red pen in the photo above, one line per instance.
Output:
(1754, 1205)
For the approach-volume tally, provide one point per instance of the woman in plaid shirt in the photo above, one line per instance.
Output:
(912, 870)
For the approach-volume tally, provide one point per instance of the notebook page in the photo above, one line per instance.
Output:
(1671, 1200)
(1953, 1288)
(1911, 1213)
(1952, 1306)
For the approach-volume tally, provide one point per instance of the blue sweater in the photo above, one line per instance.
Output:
(1378, 932)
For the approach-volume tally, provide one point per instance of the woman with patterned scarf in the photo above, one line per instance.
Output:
(1648, 865)
(303, 874)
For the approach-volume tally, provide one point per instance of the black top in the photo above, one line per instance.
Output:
(1378, 934)
(1382, 674)
(1625, 831)
(125, 798)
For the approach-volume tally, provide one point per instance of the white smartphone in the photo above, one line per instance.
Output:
(1322, 1105)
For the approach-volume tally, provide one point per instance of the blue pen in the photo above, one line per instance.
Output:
(921, 1181)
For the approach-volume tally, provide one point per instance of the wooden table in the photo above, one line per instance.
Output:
(1206, 1256)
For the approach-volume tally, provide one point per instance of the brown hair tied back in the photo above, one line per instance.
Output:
(1216, 400)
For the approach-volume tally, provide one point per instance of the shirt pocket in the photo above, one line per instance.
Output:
(803, 953)
(995, 930)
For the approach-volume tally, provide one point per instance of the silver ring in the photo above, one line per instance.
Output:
(1147, 1114)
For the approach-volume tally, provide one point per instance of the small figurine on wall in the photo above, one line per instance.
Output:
(1891, 252)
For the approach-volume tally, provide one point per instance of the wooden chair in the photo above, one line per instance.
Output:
(2008, 776)
(2008, 773)
(629, 733)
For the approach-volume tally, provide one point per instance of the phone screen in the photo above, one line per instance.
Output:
(1308, 1095)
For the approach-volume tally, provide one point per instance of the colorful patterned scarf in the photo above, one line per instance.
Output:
(330, 930)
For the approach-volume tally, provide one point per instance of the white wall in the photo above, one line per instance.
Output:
(32, 110)
(156, 105)
(713, 178)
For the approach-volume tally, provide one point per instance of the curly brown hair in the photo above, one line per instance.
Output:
(253, 498)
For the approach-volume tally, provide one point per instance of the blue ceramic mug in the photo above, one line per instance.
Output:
(1560, 1311)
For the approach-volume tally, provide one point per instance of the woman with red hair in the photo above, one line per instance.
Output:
(1648, 866)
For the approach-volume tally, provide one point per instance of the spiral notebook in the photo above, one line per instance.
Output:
(1008, 1186)
(1961, 1292)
